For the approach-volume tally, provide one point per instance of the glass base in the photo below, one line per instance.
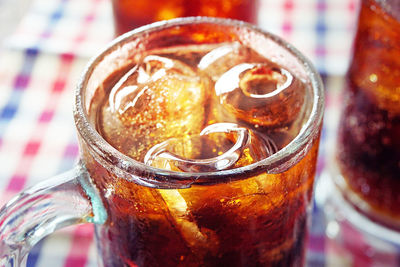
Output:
(352, 239)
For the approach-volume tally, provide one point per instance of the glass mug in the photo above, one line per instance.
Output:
(129, 14)
(245, 205)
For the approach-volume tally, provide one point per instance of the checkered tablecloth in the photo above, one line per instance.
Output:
(42, 58)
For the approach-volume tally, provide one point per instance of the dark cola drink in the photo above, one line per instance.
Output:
(204, 108)
(369, 133)
(130, 14)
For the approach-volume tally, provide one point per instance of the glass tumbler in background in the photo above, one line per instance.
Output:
(366, 171)
(198, 139)
(130, 14)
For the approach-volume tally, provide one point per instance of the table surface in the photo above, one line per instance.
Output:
(45, 45)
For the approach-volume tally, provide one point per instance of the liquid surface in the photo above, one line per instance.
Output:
(208, 108)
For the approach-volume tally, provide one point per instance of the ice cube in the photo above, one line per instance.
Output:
(199, 240)
(262, 94)
(150, 74)
(219, 146)
(158, 99)
(219, 60)
(197, 211)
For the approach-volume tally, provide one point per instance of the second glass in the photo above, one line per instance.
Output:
(360, 192)
(130, 14)
(368, 152)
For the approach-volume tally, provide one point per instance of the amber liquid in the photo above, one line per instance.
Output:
(130, 14)
(369, 134)
(254, 219)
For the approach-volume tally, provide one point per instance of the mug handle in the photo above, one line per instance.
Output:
(67, 199)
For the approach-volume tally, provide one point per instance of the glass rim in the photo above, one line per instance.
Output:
(120, 163)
